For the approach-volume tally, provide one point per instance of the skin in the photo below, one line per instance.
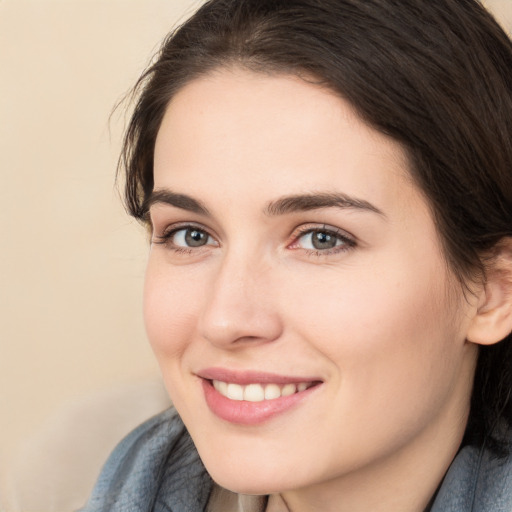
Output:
(379, 318)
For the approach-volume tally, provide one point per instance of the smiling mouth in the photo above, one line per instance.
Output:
(259, 392)
(251, 398)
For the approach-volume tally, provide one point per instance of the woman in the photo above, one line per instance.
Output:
(328, 188)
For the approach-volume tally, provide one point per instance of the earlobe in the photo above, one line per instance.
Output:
(492, 321)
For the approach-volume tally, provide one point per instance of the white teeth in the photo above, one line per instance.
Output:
(254, 393)
(221, 387)
(258, 392)
(272, 391)
(235, 391)
(288, 389)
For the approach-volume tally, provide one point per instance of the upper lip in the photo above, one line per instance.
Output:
(244, 377)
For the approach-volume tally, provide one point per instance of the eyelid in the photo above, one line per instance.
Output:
(349, 240)
(169, 231)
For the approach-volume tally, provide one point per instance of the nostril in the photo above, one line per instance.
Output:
(236, 327)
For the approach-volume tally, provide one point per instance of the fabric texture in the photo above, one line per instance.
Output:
(156, 468)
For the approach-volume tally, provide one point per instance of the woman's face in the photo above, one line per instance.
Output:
(296, 296)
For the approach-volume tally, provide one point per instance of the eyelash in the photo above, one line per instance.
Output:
(166, 238)
(347, 242)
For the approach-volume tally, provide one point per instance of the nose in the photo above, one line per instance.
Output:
(240, 306)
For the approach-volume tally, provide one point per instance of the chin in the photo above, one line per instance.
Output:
(255, 479)
(248, 484)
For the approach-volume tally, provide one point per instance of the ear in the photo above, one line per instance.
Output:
(492, 321)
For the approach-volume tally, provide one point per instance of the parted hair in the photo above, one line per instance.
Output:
(434, 75)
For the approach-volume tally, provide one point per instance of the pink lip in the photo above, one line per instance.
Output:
(251, 377)
(250, 413)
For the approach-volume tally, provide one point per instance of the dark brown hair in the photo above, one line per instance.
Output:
(435, 75)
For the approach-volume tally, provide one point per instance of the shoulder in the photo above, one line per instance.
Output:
(477, 481)
(153, 467)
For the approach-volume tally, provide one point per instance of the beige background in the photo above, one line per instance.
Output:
(71, 261)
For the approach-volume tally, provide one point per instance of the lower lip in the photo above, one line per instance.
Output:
(242, 412)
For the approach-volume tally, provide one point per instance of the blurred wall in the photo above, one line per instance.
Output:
(71, 261)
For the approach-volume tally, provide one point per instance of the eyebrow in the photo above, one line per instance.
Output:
(182, 201)
(305, 202)
(281, 206)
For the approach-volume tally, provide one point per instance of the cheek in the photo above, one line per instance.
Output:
(387, 335)
(394, 352)
(170, 304)
(170, 316)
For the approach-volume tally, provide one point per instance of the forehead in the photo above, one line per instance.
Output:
(247, 129)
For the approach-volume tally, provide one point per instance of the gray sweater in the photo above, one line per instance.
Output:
(156, 468)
